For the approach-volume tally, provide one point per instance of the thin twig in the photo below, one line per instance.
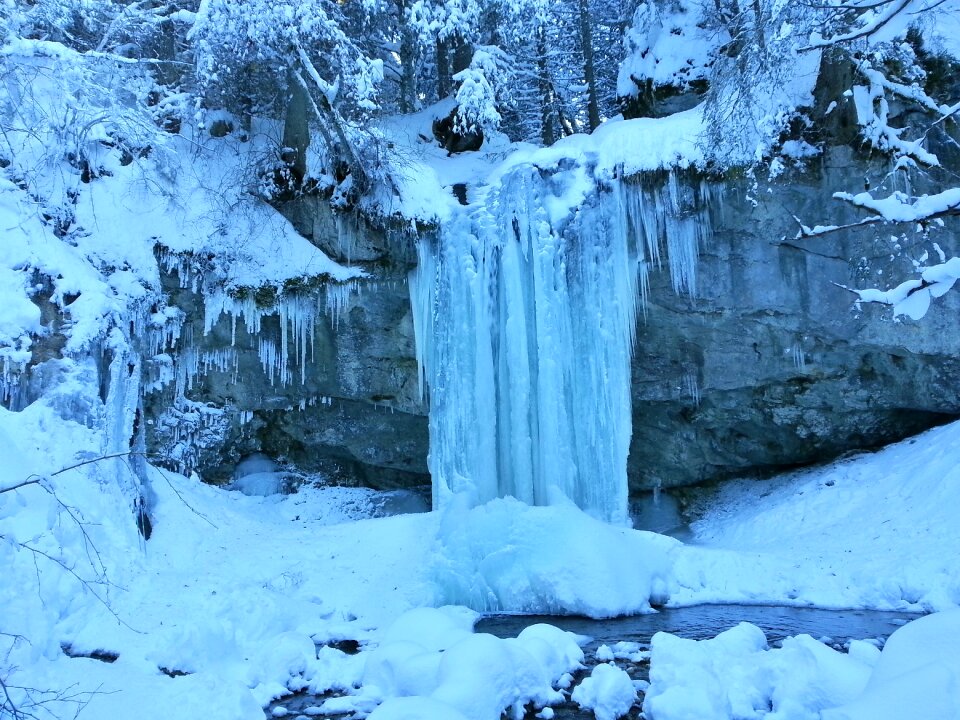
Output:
(88, 584)
(35, 481)
(90, 461)
(188, 505)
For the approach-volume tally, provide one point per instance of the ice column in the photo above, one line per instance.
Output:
(525, 326)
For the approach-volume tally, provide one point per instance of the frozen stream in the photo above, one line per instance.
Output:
(698, 622)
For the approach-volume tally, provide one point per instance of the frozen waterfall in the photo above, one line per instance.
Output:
(525, 316)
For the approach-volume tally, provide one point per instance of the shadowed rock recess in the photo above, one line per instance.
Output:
(345, 404)
(769, 365)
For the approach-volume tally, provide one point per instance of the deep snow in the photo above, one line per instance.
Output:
(236, 590)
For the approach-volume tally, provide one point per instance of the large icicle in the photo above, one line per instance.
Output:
(525, 328)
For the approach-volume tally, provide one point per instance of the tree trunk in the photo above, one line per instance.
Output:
(444, 83)
(296, 129)
(408, 69)
(548, 133)
(462, 54)
(589, 70)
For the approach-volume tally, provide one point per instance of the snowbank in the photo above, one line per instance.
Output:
(874, 531)
(916, 676)
(434, 655)
(735, 675)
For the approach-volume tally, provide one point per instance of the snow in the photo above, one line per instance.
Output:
(875, 531)
(433, 656)
(736, 675)
(424, 174)
(609, 692)
(668, 45)
(508, 556)
(916, 675)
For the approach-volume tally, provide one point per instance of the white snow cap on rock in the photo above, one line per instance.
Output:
(609, 692)
(431, 665)
(736, 675)
(917, 675)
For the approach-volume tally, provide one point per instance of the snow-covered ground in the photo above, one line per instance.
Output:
(235, 591)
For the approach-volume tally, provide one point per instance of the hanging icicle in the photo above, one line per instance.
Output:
(525, 327)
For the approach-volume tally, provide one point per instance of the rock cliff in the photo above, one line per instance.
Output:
(768, 366)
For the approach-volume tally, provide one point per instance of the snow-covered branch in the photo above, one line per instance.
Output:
(817, 230)
(876, 17)
(901, 208)
(873, 111)
(912, 298)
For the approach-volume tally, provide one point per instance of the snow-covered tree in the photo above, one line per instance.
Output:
(267, 52)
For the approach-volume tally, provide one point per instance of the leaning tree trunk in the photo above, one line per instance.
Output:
(296, 129)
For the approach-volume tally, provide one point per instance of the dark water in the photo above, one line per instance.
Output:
(834, 627)
(705, 621)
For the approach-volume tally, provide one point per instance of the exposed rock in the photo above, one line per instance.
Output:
(352, 411)
(344, 237)
(772, 365)
(454, 140)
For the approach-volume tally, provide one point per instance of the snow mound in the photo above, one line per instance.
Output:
(917, 675)
(735, 675)
(609, 692)
(507, 556)
(431, 665)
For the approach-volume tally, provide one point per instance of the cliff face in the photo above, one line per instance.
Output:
(342, 399)
(773, 364)
(769, 365)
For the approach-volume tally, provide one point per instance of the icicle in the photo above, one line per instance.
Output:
(692, 387)
(270, 359)
(799, 358)
(338, 299)
(525, 330)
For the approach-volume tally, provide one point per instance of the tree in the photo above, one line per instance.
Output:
(286, 44)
